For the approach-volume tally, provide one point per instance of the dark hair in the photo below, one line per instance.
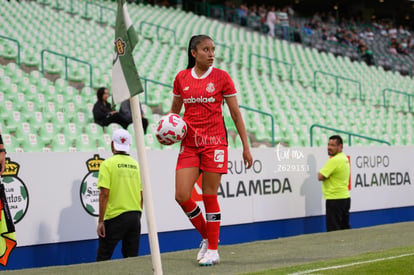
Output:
(100, 92)
(337, 138)
(194, 41)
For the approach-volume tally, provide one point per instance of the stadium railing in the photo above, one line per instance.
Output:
(270, 63)
(101, 9)
(394, 60)
(350, 134)
(343, 47)
(397, 92)
(230, 50)
(266, 114)
(337, 77)
(146, 80)
(158, 27)
(66, 57)
(18, 46)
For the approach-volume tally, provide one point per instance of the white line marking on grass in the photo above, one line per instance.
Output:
(351, 264)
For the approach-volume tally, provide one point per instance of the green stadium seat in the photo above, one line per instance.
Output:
(30, 143)
(151, 142)
(84, 143)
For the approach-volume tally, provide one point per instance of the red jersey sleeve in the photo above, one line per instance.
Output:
(228, 87)
(177, 85)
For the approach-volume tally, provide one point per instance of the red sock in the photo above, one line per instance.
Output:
(193, 212)
(213, 215)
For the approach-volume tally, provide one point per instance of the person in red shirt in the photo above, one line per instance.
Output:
(203, 90)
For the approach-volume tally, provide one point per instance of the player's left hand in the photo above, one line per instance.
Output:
(247, 158)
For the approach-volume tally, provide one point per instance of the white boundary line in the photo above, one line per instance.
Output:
(351, 264)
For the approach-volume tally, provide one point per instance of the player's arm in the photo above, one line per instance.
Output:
(241, 128)
(142, 201)
(103, 201)
(177, 104)
(328, 169)
(321, 177)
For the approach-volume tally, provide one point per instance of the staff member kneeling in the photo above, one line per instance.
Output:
(120, 200)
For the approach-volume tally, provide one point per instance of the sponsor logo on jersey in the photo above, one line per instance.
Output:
(219, 155)
(210, 87)
(186, 88)
(200, 99)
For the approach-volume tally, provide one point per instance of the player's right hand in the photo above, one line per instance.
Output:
(101, 230)
(163, 142)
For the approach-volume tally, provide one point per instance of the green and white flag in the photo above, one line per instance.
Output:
(125, 78)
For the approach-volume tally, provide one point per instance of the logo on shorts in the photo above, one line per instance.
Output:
(219, 155)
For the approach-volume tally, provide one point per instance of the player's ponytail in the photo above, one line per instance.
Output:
(194, 41)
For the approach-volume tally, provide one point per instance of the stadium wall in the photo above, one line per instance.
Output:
(53, 199)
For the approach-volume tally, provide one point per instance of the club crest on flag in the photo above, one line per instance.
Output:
(125, 78)
(120, 46)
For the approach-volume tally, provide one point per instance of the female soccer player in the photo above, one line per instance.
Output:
(202, 89)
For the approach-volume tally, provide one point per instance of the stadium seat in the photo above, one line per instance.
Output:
(291, 103)
(84, 143)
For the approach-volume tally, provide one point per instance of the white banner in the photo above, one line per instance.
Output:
(53, 196)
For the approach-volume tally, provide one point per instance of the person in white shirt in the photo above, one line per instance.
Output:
(271, 21)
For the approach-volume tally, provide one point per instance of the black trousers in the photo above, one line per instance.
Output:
(337, 214)
(126, 228)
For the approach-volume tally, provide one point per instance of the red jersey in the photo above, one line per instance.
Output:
(203, 103)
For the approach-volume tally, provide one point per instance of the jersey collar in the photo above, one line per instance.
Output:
(193, 74)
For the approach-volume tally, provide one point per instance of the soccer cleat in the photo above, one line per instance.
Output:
(203, 249)
(210, 258)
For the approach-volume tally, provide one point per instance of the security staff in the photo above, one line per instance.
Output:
(335, 179)
(120, 200)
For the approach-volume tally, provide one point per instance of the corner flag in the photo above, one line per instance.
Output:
(125, 78)
(7, 231)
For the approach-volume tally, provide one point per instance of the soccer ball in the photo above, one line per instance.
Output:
(171, 129)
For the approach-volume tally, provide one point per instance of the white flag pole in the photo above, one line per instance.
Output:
(146, 186)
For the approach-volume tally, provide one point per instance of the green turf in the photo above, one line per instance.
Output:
(392, 261)
(283, 255)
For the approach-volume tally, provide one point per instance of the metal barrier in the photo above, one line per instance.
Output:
(211, 8)
(344, 47)
(270, 65)
(263, 113)
(336, 81)
(58, 5)
(343, 132)
(146, 80)
(158, 27)
(397, 92)
(393, 61)
(18, 46)
(229, 48)
(66, 63)
(200, 8)
(101, 8)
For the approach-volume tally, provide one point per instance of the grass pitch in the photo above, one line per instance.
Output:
(385, 249)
